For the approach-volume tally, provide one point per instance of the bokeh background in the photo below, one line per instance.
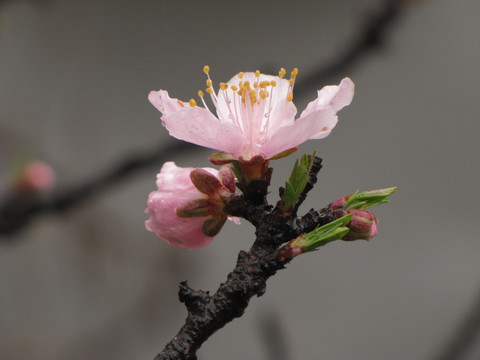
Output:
(92, 283)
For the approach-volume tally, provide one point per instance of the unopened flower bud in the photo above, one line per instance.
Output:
(187, 209)
(362, 226)
(35, 176)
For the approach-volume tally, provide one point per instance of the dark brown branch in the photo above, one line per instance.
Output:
(208, 313)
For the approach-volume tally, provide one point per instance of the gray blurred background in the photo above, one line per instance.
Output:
(94, 284)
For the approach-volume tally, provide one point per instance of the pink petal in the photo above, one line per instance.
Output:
(315, 122)
(335, 97)
(176, 231)
(164, 103)
(196, 124)
(316, 125)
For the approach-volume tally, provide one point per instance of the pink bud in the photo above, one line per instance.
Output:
(35, 176)
(176, 192)
(362, 226)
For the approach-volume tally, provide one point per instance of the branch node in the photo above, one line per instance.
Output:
(194, 300)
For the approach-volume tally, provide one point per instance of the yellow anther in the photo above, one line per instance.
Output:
(246, 84)
(291, 82)
(264, 84)
(209, 90)
(255, 85)
(273, 83)
(282, 73)
(263, 94)
(234, 88)
(223, 86)
(240, 75)
(257, 73)
(206, 69)
(294, 73)
(209, 82)
(200, 93)
(192, 103)
(289, 97)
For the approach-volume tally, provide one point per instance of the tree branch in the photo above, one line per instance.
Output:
(208, 313)
(17, 211)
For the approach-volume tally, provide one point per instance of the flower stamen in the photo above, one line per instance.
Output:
(291, 82)
(201, 95)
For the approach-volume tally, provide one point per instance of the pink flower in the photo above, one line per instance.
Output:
(255, 115)
(36, 176)
(185, 214)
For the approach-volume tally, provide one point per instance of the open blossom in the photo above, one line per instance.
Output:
(254, 116)
(182, 214)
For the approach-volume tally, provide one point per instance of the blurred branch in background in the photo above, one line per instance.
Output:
(16, 212)
(465, 337)
(372, 38)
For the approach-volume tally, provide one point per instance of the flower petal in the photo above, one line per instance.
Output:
(164, 103)
(196, 124)
(316, 125)
(336, 97)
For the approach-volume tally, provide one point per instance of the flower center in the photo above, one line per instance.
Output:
(248, 103)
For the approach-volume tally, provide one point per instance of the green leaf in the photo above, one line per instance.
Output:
(298, 180)
(368, 199)
(221, 158)
(322, 235)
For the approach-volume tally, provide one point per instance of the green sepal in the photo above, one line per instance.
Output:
(221, 158)
(298, 180)
(368, 199)
(205, 182)
(284, 153)
(194, 208)
(236, 170)
(213, 226)
(227, 177)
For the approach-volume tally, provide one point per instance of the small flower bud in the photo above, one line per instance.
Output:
(35, 176)
(187, 208)
(363, 225)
